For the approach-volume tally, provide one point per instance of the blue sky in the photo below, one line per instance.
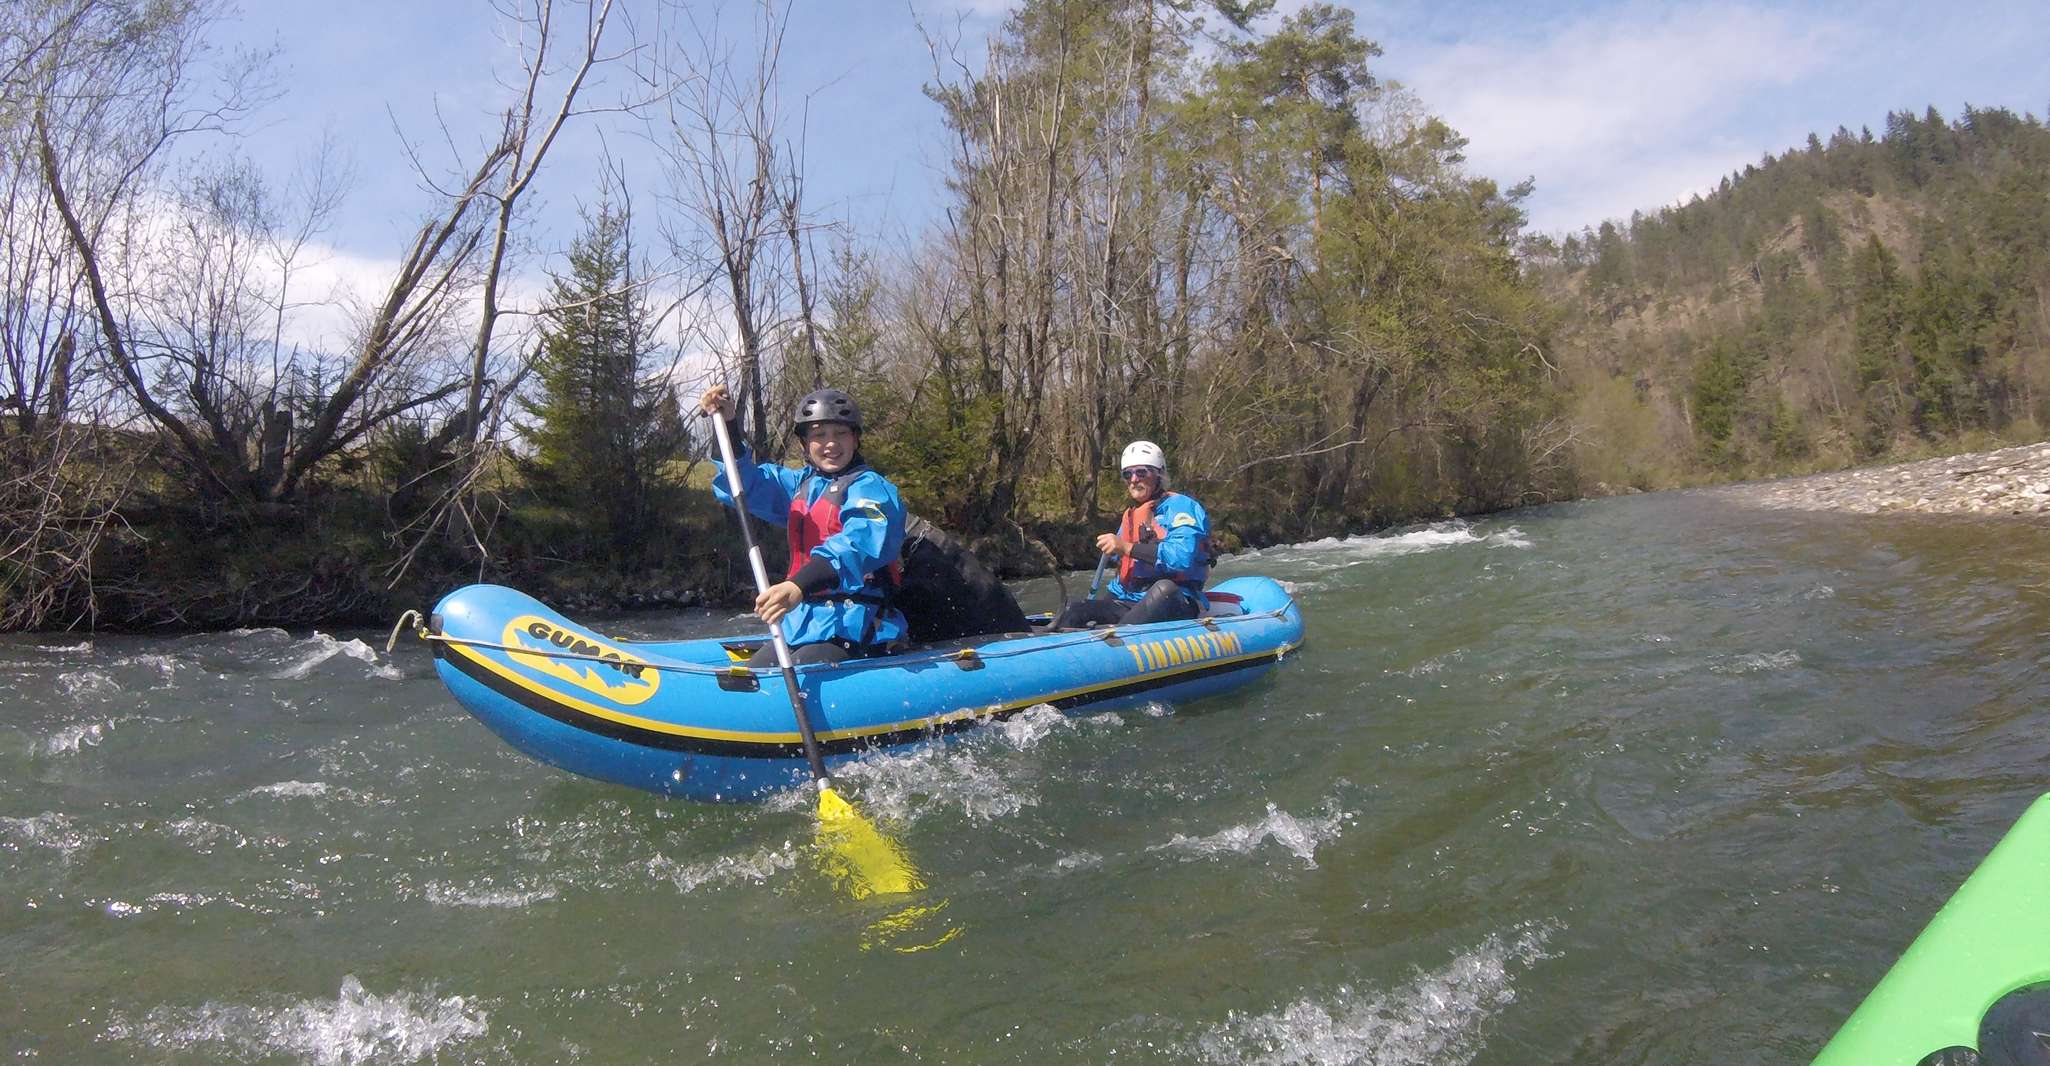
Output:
(1610, 106)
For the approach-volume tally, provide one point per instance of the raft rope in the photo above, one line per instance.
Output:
(432, 637)
(1094, 636)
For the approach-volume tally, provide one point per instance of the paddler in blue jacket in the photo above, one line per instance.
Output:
(1163, 547)
(846, 527)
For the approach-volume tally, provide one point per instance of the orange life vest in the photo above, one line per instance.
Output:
(1141, 525)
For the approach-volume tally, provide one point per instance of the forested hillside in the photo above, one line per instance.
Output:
(1856, 298)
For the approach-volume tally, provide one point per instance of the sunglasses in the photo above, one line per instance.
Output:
(1133, 473)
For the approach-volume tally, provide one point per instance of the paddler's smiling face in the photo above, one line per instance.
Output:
(1141, 482)
(829, 446)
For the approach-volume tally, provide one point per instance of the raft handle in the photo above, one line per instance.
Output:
(419, 630)
(1110, 637)
(966, 659)
(739, 679)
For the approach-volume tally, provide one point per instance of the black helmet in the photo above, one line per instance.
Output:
(826, 405)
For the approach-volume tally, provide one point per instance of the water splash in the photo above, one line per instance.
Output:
(1508, 538)
(206, 837)
(1432, 665)
(355, 1027)
(320, 647)
(164, 665)
(1437, 1019)
(903, 786)
(73, 738)
(173, 901)
(481, 894)
(1300, 836)
(1430, 538)
(967, 777)
(87, 684)
(1759, 663)
(300, 790)
(50, 830)
(1026, 729)
(755, 868)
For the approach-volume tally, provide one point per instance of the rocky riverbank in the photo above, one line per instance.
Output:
(2009, 482)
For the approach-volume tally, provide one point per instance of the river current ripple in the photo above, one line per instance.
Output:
(1649, 780)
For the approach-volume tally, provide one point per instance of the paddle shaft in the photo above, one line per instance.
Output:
(754, 558)
(1098, 579)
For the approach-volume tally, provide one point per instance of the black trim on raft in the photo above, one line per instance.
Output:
(747, 749)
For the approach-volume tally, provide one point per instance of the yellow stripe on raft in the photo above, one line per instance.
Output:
(1161, 656)
(557, 696)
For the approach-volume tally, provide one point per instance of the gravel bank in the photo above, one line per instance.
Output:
(2007, 482)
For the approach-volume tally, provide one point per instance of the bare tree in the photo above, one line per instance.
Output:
(563, 47)
(790, 213)
(106, 87)
(728, 175)
(175, 282)
(1014, 175)
(54, 504)
(527, 135)
(188, 283)
(113, 89)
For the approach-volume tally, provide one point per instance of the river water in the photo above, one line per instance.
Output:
(1647, 780)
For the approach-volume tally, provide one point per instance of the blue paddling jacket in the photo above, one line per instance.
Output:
(1172, 534)
(845, 534)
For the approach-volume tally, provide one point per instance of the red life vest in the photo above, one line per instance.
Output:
(809, 527)
(1140, 525)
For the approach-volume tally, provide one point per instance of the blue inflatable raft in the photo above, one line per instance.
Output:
(682, 718)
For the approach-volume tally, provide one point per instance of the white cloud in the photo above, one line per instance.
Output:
(330, 291)
(322, 291)
(1640, 181)
(1628, 109)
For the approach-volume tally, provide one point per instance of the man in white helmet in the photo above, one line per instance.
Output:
(1163, 547)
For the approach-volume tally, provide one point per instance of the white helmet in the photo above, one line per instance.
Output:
(1144, 453)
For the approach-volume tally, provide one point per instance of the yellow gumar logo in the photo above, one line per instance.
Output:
(1180, 651)
(621, 678)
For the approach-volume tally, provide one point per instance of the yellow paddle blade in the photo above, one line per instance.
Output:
(915, 928)
(855, 852)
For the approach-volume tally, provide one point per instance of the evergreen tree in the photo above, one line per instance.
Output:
(605, 419)
(1612, 277)
(1875, 338)
(1819, 233)
(1719, 386)
(1943, 321)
